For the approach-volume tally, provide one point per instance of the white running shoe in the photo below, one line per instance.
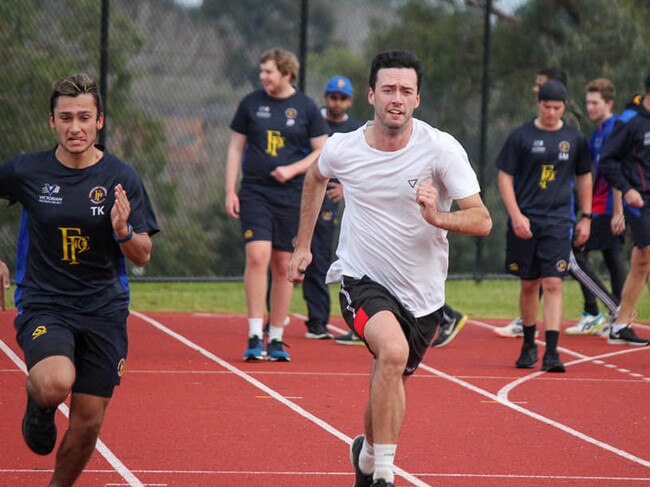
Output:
(514, 329)
(589, 325)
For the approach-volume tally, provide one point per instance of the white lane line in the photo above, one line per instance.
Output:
(260, 385)
(539, 417)
(341, 474)
(501, 397)
(115, 462)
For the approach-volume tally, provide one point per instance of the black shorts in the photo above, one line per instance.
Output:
(639, 221)
(270, 214)
(96, 345)
(546, 254)
(601, 236)
(363, 298)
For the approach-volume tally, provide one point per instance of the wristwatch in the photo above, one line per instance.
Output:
(586, 215)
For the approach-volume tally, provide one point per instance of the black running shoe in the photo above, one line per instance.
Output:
(449, 328)
(551, 363)
(626, 336)
(382, 483)
(528, 356)
(275, 351)
(317, 331)
(361, 479)
(39, 428)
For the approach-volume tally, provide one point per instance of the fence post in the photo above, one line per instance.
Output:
(485, 95)
(103, 67)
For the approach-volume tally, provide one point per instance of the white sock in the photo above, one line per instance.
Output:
(367, 458)
(255, 326)
(384, 458)
(275, 332)
(616, 327)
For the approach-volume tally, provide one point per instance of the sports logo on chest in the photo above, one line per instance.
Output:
(263, 111)
(538, 147)
(50, 194)
(97, 196)
(291, 114)
(564, 148)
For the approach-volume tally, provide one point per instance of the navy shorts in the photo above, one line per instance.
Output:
(546, 254)
(638, 220)
(601, 236)
(270, 214)
(362, 298)
(96, 345)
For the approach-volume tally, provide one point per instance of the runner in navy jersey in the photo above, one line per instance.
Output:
(625, 162)
(84, 211)
(538, 167)
(277, 132)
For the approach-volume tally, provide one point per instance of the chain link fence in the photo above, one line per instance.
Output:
(176, 75)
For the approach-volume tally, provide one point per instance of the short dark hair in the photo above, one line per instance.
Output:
(553, 72)
(75, 85)
(395, 59)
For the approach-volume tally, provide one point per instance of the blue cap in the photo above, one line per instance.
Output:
(339, 84)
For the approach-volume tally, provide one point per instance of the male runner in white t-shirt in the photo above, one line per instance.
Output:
(400, 177)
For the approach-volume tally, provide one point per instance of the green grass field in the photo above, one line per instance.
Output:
(488, 299)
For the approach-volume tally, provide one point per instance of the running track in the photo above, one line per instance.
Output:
(190, 412)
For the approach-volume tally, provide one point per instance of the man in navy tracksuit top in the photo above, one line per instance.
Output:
(625, 162)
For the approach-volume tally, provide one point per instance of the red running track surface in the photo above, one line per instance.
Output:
(191, 412)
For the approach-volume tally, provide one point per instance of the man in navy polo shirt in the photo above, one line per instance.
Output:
(538, 167)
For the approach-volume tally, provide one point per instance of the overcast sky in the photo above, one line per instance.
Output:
(507, 5)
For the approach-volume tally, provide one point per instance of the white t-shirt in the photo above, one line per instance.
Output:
(383, 233)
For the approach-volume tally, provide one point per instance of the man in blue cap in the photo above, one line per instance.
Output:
(338, 100)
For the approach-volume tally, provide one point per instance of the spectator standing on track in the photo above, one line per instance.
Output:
(338, 97)
(607, 220)
(586, 277)
(538, 166)
(625, 162)
(277, 132)
(84, 211)
(400, 176)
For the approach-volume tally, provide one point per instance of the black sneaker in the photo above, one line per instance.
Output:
(361, 479)
(551, 363)
(528, 356)
(350, 338)
(626, 336)
(449, 328)
(382, 483)
(317, 331)
(276, 353)
(39, 428)
(255, 349)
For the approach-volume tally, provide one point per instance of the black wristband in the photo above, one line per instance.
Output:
(128, 237)
(586, 215)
